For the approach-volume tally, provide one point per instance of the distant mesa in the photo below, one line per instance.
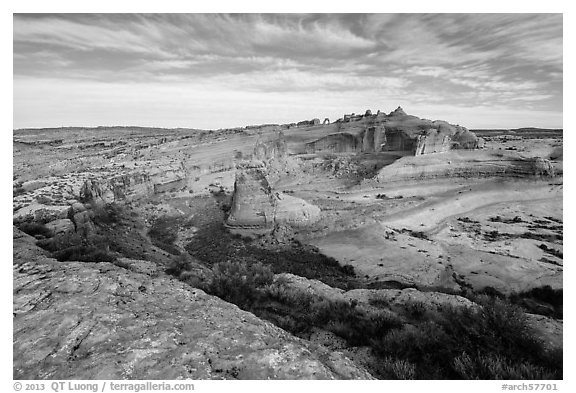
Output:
(396, 131)
(305, 123)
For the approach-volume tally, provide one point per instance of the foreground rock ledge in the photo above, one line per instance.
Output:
(75, 320)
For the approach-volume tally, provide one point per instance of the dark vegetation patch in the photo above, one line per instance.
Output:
(546, 260)
(547, 237)
(75, 247)
(384, 196)
(541, 300)
(19, 190)
(35, 229)
(212, 244)
(164, 232)
(493, 342)
(117, 232)
(515, 220)
(556, 220)
(467, 220)
(417, 234)
(551, 251)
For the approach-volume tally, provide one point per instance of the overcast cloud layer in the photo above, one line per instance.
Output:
(212, 71)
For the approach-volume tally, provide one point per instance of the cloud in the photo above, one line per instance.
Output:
(511, 61)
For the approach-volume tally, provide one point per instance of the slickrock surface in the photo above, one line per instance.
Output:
(78, 320)
(363, 297)
(466, 164)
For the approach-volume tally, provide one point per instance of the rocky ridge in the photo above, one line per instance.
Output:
(100, 321)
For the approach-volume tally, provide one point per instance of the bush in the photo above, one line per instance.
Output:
(497, 367)
(35, 229)
(238, 282)
(493, 342)
(84, 254)
(397, 369)
(180, 264)
(164, 232)
(105, 214)
(73, 247)
(542, 300)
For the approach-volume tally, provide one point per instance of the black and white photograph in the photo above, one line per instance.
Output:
(286, 196)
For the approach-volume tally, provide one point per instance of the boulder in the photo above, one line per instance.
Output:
(84, 224)
(61, 226)
(295, 211)
(33, 185)
(407, 296)
(40, 213)
(543, 167)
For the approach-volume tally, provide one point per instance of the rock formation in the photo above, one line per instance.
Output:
(461, 163)
(304, 123)
(396, 131)
(253, 204)
(256, 208)
(272, 146)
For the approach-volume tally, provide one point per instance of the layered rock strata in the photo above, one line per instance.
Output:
(396, 131)
(466, 164)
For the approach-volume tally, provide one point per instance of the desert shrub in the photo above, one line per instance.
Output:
(238, 282)
(84, 253)
(359, 328)
(536, 299)
(496, 340)
(498, 367)
(72, 246)
(193, 279)
(396, 368)
(546, 294)
(415, 309)
(348, 270)
(62, 241)
(180, 264)
(164, 232)
(35, 229)
(105, 214)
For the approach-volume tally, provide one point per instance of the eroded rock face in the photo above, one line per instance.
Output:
(78, 320)
(295, 211)
(466, 164)
(396, 131)
(253, 203)
(256, 207)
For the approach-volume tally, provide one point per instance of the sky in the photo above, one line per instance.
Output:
(214, 71)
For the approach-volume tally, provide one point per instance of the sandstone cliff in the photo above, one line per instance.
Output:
(396, 131)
